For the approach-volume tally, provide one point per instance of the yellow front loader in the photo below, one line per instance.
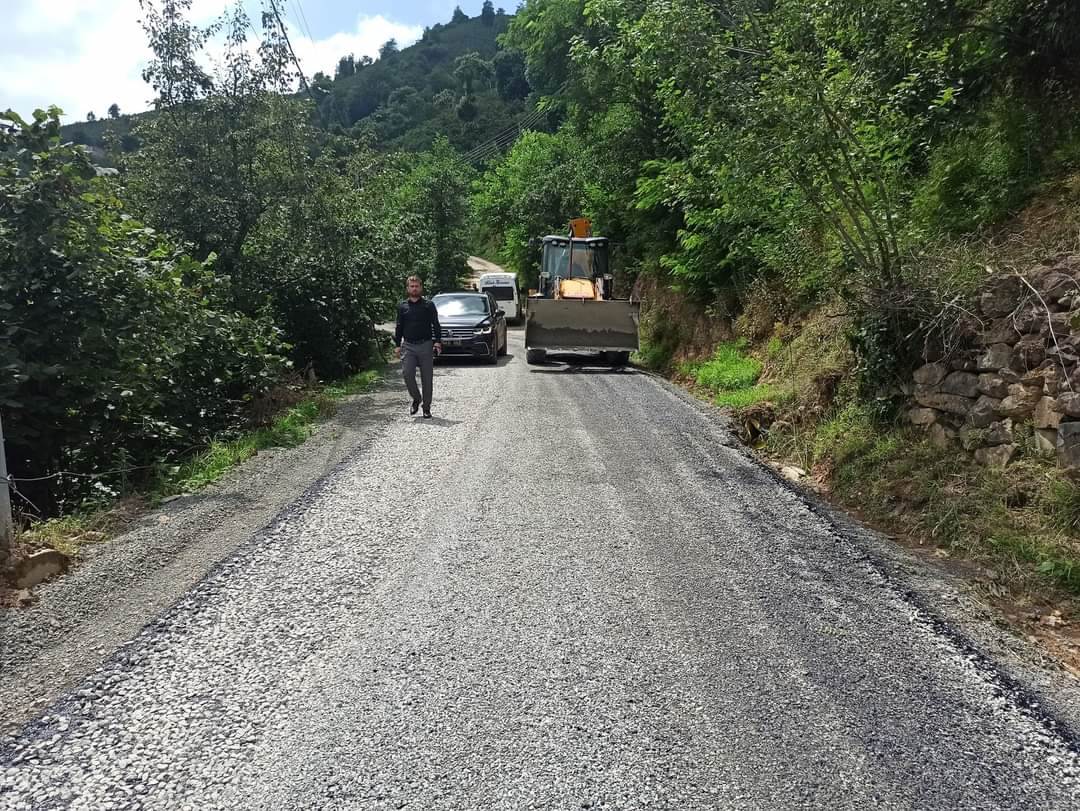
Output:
(574, 309)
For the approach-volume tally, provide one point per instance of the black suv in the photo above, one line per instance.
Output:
(472, 325)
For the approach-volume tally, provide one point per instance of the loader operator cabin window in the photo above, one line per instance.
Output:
(588, 262)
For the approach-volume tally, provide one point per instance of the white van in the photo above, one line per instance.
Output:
(503, 288)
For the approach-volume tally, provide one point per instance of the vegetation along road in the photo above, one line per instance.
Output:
(569, 589)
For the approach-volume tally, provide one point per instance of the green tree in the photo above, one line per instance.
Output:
(346, 67)
(240, 159)
(472, 70)
(436, 191)
(459, 16)
(114, 337)
(535, 190)
(389, 48)
(487, 13)
(509, 71)
(114, 111)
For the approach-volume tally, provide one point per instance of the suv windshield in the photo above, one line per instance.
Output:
(465, 304)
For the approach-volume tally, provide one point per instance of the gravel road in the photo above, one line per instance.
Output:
(569, 590)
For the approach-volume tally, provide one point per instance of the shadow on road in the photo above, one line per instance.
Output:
(571, 364)
(464, 361)
(439, 421)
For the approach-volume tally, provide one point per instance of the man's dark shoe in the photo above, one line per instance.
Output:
(415, 407)
(427, 413)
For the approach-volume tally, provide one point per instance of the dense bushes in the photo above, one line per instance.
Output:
(128, 346)
(118, 348)
(818, 146)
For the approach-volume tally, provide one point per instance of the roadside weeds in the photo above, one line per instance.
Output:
(103, 520)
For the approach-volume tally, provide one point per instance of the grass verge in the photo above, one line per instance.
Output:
(1020, 521)
(287, 429)
(730, 377)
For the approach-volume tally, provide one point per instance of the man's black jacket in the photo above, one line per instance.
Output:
(417, 321)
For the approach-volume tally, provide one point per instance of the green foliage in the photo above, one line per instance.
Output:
(729, 369)
(535, 191)
(436, 193)
(318, 231)
(116, 342)
(819, 145)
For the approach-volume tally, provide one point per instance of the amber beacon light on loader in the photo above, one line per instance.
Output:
(574, 309)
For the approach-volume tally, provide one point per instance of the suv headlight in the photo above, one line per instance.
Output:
(483, 329)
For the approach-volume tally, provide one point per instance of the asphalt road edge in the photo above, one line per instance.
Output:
(1033, 680)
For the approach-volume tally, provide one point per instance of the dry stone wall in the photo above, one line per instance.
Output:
(1016, 387)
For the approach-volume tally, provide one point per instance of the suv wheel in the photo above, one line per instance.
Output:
(534, 356)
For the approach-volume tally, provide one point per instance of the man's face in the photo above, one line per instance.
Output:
(415, 288)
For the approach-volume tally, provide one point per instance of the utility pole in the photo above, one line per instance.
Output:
(7, 527)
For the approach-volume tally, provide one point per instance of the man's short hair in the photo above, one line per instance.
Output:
(415, 278)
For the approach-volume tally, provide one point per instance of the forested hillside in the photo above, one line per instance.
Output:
(457, 83)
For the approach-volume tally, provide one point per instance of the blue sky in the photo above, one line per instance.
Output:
(83, 55)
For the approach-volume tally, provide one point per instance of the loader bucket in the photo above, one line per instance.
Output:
(566, 325)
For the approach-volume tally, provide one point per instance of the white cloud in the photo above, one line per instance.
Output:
(365, 40)
(84, 55)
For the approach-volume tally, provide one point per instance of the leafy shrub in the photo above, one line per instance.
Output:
(982, 173)
(119, 348)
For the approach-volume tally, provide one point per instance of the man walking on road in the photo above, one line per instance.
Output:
(417, 340)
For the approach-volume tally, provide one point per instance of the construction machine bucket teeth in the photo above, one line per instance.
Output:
(565, 325)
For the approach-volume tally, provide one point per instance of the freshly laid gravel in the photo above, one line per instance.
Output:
(566, 591)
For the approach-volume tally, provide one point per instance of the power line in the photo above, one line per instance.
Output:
(303, 19)
(503, 139)
(285, 35)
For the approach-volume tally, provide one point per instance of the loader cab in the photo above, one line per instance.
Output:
(577, 258)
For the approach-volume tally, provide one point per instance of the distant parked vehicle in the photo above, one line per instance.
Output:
(503, 288)
(472, 325)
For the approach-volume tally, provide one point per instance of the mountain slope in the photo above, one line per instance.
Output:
(456, 81)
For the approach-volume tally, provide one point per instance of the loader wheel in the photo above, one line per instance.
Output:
(617, 358)
(535, 356)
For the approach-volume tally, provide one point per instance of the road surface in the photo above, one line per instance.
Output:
(568, 590)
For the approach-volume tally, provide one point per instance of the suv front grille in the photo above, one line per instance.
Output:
(458, 333)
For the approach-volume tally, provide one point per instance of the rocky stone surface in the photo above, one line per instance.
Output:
(965, 384)
(1020, 403)
(1046, 413)
(1068, 445)
(993, 386)
(931, 374)
(1000, 433)
(998, 356)
(983, 412)
(1023, 369)
(997, 455)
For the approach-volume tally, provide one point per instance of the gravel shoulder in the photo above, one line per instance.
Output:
(122, 584)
